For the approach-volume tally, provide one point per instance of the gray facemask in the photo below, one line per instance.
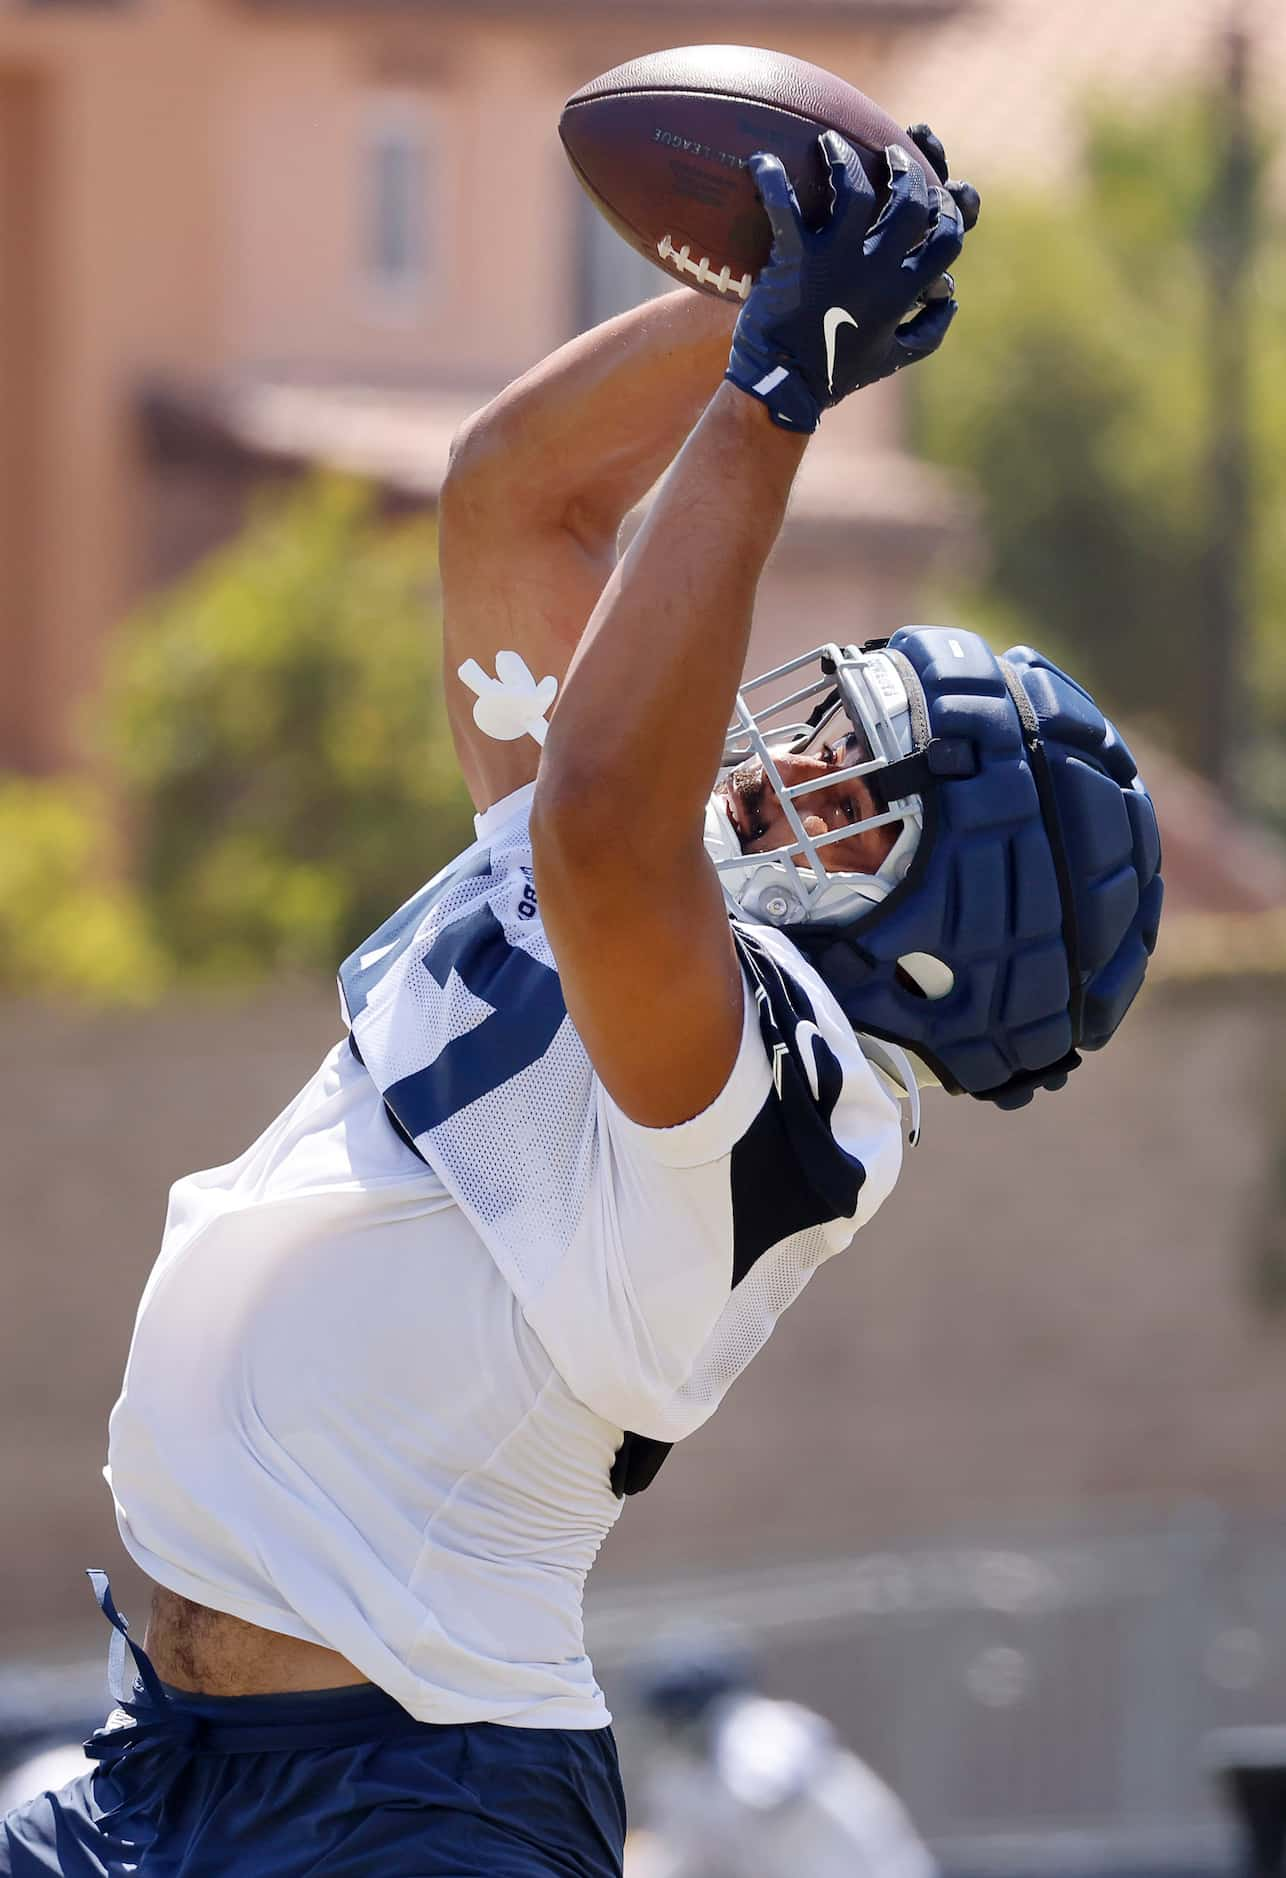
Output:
(853, 691)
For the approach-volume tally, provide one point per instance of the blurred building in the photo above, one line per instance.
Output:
(1011, 78)
(237, 236)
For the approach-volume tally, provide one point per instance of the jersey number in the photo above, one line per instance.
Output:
(527, 1009)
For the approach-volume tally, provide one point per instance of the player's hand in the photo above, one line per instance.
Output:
(964, 195)
(831, 311)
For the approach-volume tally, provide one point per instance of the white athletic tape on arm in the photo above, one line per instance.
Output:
(512, 704)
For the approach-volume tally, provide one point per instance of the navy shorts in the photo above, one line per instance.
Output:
(342, 1782)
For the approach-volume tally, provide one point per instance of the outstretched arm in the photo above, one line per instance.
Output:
(539, 485)
(630, 902)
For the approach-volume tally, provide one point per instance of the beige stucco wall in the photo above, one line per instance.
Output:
(489, 93)
(24, 386)
(128, 263)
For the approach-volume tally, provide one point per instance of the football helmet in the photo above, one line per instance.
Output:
(1010, 925)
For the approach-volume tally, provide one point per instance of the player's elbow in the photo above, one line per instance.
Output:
(480, 505)
(474, 463)
(461, 441)
(501, 472)
(496, 479)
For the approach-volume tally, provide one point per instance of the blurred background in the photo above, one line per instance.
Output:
(1003, 1497)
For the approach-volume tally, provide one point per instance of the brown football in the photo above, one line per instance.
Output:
(661, 145)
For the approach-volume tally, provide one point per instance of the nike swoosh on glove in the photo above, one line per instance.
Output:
(832, 310)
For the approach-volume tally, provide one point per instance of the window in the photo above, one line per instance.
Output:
(613, 276)
(394, 229)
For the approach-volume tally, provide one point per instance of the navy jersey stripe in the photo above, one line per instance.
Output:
(788, 1171)
(527, 1012)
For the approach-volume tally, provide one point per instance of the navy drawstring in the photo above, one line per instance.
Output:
(150, 1715)
(156, 1719)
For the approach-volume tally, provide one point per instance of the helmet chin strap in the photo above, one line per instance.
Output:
(902, 1072)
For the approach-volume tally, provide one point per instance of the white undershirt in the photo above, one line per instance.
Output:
(336, 1424)
(378, 1409)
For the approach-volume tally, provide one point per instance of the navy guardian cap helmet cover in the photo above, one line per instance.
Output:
(1035, 881)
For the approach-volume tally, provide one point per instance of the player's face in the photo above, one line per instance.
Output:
(760, 821)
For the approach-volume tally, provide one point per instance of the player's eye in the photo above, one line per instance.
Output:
(754, 806)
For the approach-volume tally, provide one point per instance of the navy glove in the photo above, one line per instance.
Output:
(829, 313)
(964, 195)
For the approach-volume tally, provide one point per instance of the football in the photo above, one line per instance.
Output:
(661, 145)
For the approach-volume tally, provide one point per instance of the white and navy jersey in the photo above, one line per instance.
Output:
(385, 1365)
(652, 1263)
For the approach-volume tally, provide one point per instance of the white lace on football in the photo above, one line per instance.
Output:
(703, 270)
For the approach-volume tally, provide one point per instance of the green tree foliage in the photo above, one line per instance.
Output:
(1076, 394)
(279, 723)
(68, 928)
